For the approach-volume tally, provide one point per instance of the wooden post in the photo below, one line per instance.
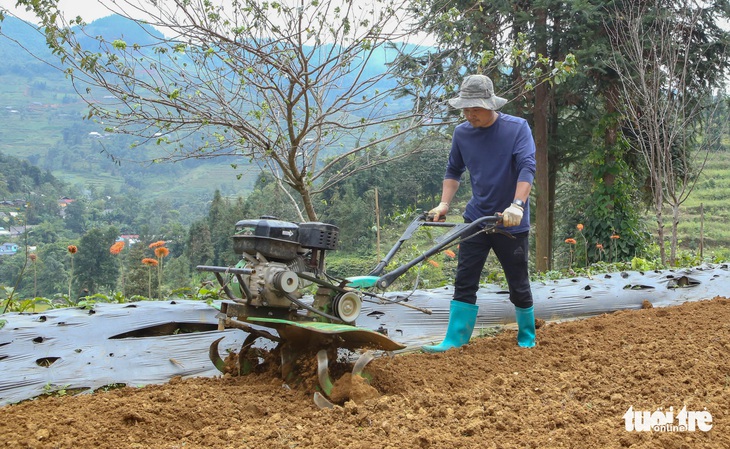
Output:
(377, 224)
(702, 229)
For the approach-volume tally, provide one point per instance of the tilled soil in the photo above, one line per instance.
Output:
(571, 391)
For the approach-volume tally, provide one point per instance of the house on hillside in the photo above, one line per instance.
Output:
(17, 231)
(13, 203)
(8, 249)
(129, 239)
(62, 203)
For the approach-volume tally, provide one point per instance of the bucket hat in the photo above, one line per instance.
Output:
(477, 91)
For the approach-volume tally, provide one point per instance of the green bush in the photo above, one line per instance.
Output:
(343, 266)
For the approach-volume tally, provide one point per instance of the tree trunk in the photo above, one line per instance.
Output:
(553, 177)
(308, 205)
(658, 206)
(542, 176)
(675, 238)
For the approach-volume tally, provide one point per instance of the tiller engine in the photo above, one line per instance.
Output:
(279, 261)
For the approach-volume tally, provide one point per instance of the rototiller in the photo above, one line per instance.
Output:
(280, 261)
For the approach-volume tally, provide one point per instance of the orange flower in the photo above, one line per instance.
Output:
(580, 227)
(161, 252)
(571, 241)
(32, 257)
(117, 247)
(615, 236)
(433, 262)
(157, 244)
(450, 253)
(599, 246)
(72, 249)
(150, 262)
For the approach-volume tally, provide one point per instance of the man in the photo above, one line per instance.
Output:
(499, 152)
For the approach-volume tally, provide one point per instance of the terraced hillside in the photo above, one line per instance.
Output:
(707, 211)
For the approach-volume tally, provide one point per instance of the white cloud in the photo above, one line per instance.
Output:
(89, 10)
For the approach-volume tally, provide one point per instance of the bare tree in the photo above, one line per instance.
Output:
(286, 85)
(661, 54)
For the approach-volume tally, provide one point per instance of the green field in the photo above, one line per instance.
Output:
(706, 213)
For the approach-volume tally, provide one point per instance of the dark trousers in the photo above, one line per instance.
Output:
(512, 255)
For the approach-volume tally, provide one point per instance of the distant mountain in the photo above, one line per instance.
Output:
(43, 121)
(118, 27)
(28, 40)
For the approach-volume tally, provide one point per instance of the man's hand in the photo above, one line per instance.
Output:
(512, 216)
(439, 212)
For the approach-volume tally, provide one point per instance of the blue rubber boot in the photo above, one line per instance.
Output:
(525, 327)
(462, 318)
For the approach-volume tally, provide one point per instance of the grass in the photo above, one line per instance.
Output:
(707, 206)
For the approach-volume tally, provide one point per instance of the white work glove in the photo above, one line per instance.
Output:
(512, 216)
(438, 212)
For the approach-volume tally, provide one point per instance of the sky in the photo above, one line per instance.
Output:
(89, 10)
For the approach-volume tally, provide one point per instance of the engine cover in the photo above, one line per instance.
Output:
(282, 240)
(274, 239)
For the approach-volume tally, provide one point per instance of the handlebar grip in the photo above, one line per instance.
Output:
(429, 217)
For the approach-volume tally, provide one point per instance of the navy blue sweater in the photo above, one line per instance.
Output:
(497, 158)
